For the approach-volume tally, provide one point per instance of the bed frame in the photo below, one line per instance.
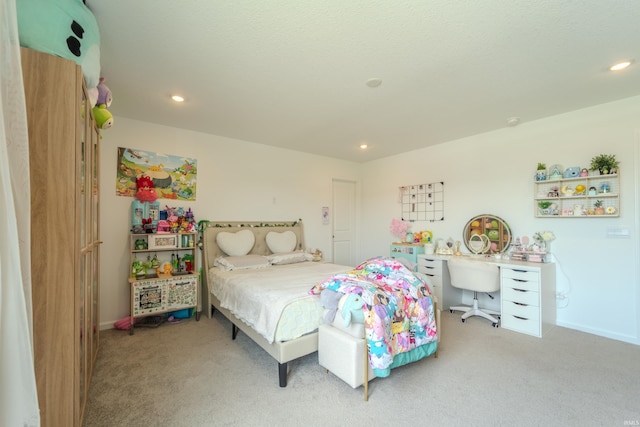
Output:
(285, 351)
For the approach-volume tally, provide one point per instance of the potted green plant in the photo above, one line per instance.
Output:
(605, 163)
(598, 209)
(541, 172)
(544, 207)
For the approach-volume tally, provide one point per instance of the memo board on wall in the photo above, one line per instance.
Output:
(422, 202)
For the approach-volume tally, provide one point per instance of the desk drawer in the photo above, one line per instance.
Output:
(525, 312)
(521, 296)
(520, 275)
(525, 285)
(431, 268)
(524, 319)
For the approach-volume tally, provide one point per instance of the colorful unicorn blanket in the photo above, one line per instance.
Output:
(399, 314)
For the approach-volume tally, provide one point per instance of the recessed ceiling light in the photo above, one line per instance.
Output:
(513, 121)
(364, 146)
(374, 82)
(620, 65)
(177, 98)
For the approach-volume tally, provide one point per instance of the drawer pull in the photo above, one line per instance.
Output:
(521, 304)
(520, 290)
(518, 317)
(430, 275)
(520, 271)
(520, 280)
(426, 266)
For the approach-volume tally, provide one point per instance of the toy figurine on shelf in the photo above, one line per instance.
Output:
(138, 269)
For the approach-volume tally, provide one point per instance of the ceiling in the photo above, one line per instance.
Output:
(293, 73)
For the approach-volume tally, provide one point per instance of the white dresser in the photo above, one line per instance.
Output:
(435, 267)
(528, 297)
(527, 292)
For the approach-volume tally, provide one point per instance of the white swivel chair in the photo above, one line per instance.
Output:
(476, 276)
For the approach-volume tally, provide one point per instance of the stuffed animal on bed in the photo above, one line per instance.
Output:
(330, 300)
(351, 307)
(64, 28)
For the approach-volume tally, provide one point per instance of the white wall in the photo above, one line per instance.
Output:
(493, 173)
(237, 181)
(488, 173)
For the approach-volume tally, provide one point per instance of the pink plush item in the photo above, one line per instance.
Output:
(399, 228)
(124, 324)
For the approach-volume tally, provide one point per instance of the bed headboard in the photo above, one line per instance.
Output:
(259, 229)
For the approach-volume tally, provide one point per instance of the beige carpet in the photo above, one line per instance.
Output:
(193, 374)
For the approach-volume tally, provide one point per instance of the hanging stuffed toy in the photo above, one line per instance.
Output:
(102, 116)
(146, 190)
(100, 95)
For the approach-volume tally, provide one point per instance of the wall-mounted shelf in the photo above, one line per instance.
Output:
(568, 204)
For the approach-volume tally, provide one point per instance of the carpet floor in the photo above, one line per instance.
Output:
(192, 374)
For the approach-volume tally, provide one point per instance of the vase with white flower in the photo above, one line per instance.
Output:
(543, 239)
(400, 229)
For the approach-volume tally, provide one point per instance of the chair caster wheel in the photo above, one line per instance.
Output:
(450, 311)
(463, 320)
(495, 325)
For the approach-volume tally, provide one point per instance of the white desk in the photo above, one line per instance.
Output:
(527, 291)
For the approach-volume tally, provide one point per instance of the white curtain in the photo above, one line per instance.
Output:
(18, 394)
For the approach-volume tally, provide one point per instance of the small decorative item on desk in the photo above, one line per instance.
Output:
(399, 229)
(536, 252)
(544, 239)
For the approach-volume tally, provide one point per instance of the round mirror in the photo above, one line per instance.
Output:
(479, 243)
(493, 234)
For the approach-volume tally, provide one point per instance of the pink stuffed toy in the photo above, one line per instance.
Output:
(124, 324)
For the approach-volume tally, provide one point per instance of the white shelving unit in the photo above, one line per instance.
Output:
(571, 205)
(168, 288)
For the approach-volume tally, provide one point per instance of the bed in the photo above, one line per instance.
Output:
(259, 277)
(266, 329)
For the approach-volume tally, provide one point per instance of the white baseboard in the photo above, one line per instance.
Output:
(602, 333)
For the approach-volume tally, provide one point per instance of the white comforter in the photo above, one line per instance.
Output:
(258, 296)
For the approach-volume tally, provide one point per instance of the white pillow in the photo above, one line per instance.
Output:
(228, 263)
(289, 258)
(236, 244)
(280, 243)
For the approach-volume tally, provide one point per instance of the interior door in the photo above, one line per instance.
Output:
(344, 222)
